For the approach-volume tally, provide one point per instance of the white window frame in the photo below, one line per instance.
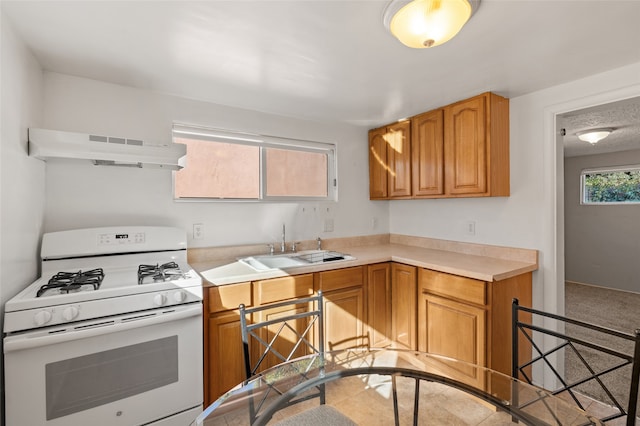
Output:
(612, 169)
(262, 141)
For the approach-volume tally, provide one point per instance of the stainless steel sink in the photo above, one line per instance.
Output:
(293, 260)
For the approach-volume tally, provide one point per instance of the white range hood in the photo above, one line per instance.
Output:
(105, 150)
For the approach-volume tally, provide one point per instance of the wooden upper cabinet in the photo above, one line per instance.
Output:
(476, 146)
(390, 161)
(378, 164)
(427, 153)
(461, 150)
(399, 155)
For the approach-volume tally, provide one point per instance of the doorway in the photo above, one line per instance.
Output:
(602, 239)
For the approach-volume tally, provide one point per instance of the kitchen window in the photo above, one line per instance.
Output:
(233, 166)
(613, 185)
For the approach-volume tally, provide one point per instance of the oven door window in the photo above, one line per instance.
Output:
(88, 381)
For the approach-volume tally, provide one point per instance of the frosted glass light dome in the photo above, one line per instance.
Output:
(427, 23)
(594, 136)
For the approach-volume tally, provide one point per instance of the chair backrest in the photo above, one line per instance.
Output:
(278, 332)
(600, 363)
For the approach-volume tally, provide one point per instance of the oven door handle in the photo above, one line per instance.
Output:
(118, 324)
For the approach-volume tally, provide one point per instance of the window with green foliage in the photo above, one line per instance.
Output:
(619, 185)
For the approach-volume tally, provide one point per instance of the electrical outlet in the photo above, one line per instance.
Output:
(374, 223)
(470, 227)
(198, 231)
(328, 225)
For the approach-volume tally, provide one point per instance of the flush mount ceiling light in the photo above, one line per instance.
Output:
(427, 23)
(594, 135)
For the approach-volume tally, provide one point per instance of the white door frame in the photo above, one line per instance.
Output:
(554, 292)
(554, 151)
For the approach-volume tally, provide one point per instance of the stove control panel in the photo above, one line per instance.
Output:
(21, 320)
(124, 238)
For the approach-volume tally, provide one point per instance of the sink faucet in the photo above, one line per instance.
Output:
(283, 246)
(319, 241)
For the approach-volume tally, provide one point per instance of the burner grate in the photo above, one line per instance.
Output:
(159, 273)
(65, 282)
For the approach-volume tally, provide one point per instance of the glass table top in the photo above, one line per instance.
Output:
(387, 386)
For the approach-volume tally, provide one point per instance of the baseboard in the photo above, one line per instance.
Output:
(601, 287)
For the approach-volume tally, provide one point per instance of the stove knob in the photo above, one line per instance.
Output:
(70, 313)
(180, 296)
(42, 317)
(160, 299)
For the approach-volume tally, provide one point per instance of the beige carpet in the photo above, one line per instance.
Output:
(609, 308)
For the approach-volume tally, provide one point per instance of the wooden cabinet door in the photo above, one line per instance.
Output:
(378, 164)
(403, 295)
(344, 318)
(379, 304)
(225, 362)
(454, 330)
(287, 339)
(427, 153)
(465, 146)
(398, 139)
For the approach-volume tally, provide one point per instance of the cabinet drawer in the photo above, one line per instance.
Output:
(228, 297)
(276, 289)
(453, 286)
(340, 278)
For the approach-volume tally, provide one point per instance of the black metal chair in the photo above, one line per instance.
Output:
(277, 333)
(583, 341)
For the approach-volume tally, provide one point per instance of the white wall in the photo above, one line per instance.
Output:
(602, 242)
(532, 217)
(83, 195)
(21, 177)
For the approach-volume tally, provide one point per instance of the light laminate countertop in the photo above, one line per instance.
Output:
(485, 263)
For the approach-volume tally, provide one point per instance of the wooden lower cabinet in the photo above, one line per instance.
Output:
(344, 307)
(403, 311)
(455, 330)
(275, 290)
(225, 360)
(286, 341)
(379, 304)
(344, 324)
(469, 319)
(385, 304)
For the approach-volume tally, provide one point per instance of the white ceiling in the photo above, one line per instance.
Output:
(326, 60)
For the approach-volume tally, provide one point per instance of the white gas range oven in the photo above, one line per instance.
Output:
(111, 334)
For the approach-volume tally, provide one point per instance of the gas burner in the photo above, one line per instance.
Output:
(159, 273)
(66, 282)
